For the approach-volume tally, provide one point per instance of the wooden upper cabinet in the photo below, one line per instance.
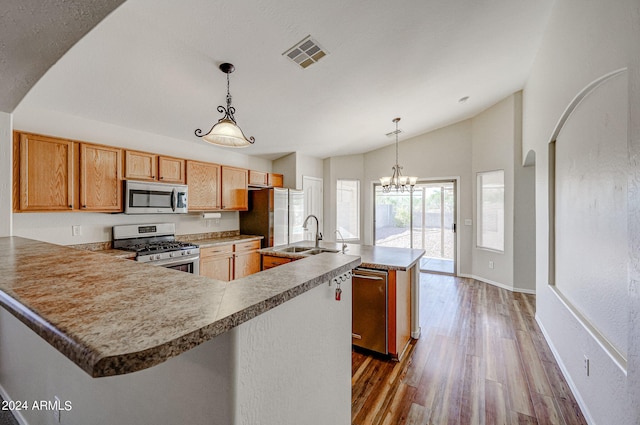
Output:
(258, 178)
(46, 173)
(100, 178)
(141, 166)
(151, 167)
(235, 194)
(276, 180)
(203, 179)
(171, 170)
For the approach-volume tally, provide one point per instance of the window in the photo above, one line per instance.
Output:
(348, 208)
(490, 210)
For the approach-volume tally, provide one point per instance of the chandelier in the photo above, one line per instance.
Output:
(226, 132)
(397, 181)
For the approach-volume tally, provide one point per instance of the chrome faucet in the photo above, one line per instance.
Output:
(344, 245)
(318, 234)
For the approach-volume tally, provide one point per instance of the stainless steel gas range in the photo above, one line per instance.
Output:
(156, 244)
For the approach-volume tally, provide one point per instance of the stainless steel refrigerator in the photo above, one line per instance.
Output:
(275, 213)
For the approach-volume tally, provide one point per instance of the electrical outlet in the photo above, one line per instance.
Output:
(56, 410)
(586, 365)
(76, 230)
(490, 264)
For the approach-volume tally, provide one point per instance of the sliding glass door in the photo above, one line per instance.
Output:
(424, 219)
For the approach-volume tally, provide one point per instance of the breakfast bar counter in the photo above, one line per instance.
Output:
(113, 316)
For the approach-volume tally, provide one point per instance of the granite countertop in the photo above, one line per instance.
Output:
(373, 257)
(113, 316)
(216, 241)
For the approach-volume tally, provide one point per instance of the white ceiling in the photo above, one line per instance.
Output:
(152, 65)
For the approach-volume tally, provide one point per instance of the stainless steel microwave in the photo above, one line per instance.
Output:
(154, 198)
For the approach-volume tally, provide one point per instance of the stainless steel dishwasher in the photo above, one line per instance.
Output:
(369, 313)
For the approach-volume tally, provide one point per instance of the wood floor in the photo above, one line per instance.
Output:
(481, 359)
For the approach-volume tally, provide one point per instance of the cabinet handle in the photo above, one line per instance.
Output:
(71, 206)
(356, 336)
(84, 206)
(359, 276)
(162, 178)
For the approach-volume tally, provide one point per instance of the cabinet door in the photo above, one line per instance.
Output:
(140, 165)
(46, 173)
(235, 195)
(171, 170)
(247, 259)
(276, 180)
(217, 263)
(100, 178)
(258, 178)
(203, 179)
(246, 263)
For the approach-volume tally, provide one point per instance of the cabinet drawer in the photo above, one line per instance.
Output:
(247, 246)
(220, 250)
(269, 261)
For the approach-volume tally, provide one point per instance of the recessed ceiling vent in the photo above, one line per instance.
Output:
(306, 52)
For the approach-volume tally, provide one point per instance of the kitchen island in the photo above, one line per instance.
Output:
(400, 291)
(269, 348)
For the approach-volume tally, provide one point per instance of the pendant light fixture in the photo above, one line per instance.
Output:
(397, 181)
(226, 132)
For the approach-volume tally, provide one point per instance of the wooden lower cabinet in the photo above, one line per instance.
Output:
(399, 312)
(229, 262)
(270, 261)
(246, 259)
(217, 262)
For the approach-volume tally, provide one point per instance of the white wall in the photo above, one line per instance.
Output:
(287, 165)
(591, 210)
(290, 365)
(583, 41)
(6, 170)
(96, 227)
(633, 220)
(493, 146)
(296, 165)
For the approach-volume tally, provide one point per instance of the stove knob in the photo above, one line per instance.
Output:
(183, 252)
(188, 251)
(172, 254)
(157, 256)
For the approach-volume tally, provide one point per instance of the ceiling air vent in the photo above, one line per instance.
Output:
(306, 52)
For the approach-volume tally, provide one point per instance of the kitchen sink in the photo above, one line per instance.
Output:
(306, 250)
(298, 249)
(315, 251)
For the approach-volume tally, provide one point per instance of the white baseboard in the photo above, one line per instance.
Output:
(16, 413)
(498, 284)
(565, 373)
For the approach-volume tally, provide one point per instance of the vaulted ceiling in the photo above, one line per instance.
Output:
(152, 65)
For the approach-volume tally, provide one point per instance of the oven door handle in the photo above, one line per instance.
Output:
(175, 261)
